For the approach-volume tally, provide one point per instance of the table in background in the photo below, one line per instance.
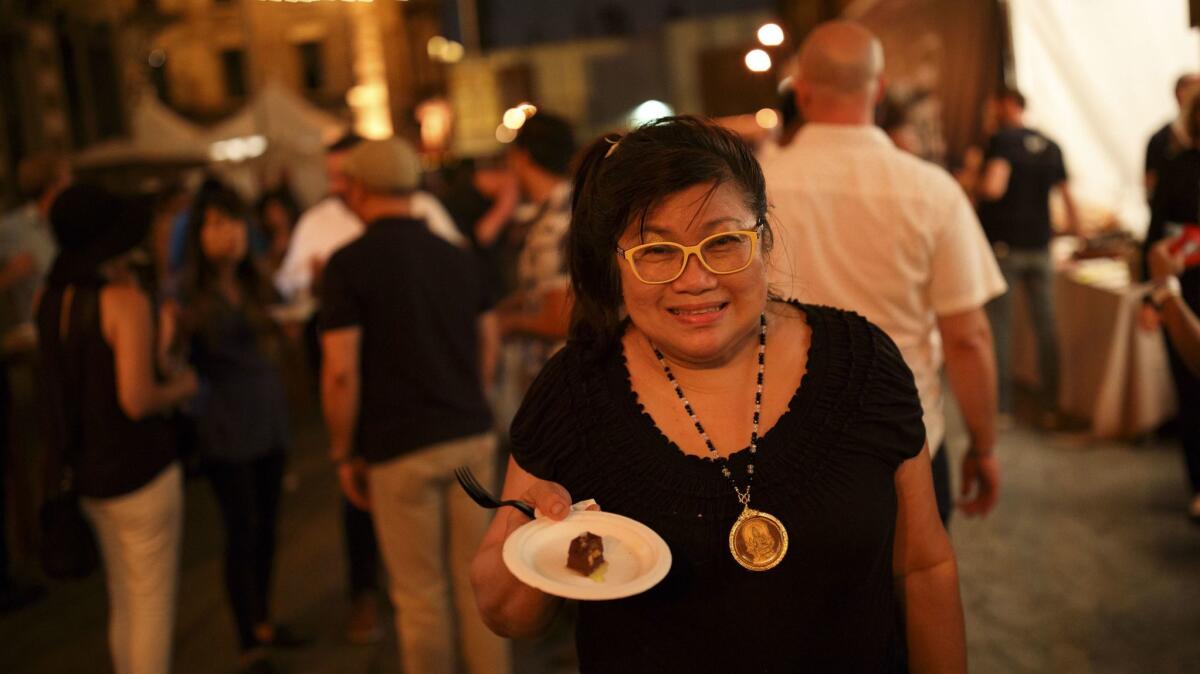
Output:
(1111, 372)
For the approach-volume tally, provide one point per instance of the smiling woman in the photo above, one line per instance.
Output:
(670, 406)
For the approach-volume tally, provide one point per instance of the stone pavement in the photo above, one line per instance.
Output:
(1087, 565)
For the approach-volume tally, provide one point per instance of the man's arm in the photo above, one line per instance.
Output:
(1074, 227)
(340, 387)
(994, 184)
(971, 367)
(489, 348)
(339, 401)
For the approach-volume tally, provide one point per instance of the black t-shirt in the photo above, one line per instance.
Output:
(1021, 218)
(1160, 148)
(826, 469)
(417, 299)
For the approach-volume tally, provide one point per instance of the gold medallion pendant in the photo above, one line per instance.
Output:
(758, 540)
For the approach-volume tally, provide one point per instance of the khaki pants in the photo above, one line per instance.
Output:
(138, 535)
(426, 526)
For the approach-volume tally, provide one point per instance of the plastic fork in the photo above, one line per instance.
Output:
(484, 497)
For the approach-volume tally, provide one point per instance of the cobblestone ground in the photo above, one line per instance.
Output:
(1087, 565)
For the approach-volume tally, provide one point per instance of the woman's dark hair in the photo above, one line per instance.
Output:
(199, 294)
(620, 180)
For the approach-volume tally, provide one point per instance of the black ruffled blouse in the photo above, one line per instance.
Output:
(826, 469)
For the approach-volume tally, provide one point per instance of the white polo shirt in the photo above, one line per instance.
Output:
(862, 225)
(329, 225)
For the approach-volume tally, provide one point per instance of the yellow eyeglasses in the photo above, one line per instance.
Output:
(664, 261)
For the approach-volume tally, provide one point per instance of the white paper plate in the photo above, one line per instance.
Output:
(637, 557)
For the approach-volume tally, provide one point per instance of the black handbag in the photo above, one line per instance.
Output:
(68, 549)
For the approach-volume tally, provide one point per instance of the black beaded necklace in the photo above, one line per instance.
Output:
(743, 496)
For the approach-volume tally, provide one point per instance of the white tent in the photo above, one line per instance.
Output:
(157, 135)
(1099, 76)
(295, 132)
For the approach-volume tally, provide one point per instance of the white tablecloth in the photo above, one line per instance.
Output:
(1112, 372)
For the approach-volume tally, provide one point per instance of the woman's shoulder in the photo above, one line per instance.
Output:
(124, 298)
(834, 326)
(559, 407)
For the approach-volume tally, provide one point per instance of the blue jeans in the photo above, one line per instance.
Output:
(1033, 271)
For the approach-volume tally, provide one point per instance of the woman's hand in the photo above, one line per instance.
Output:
(508, 606)
(1162, 262)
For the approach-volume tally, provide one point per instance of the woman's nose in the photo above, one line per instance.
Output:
(695, 277)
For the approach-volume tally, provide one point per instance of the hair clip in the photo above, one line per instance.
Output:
(613, 144)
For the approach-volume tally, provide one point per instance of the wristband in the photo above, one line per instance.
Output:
(1162, 292)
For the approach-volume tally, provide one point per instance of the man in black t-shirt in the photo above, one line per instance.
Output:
(1021, 168)
(408, 341)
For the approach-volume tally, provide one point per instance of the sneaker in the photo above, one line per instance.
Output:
(364, 626)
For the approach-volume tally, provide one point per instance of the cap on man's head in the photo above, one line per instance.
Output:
(389, 166)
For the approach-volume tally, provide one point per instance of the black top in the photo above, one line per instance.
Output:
(1021, 218)
(417, 299)
(1176, 200)
(83, 421)
(826, 469)
(242, 407)
(1163, 146)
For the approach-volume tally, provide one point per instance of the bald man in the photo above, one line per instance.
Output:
(865, 226)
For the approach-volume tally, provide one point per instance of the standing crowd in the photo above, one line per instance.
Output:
(554, 293)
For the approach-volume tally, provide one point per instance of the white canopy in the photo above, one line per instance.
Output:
(296, 133)
(1099, 76)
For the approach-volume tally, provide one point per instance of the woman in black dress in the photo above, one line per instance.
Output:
(691, 400)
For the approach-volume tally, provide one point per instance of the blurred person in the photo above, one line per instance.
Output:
(26, 251)
(170, 214)
(483, 199)
(276, 212)
(892, 117)
(678, 351)
(1176, 201)
(534, 317)
(1174, 137)
(329, 225)
(241, 411)
(323, 229)
(104, 407)
(1021, 168)
(866, 226)
(408, 350)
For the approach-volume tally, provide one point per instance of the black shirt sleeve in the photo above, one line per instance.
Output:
(341, 307)
(545, 430)
(1059, 174)
(998, 147)
(890, 423)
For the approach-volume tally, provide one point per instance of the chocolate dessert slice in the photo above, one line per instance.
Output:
(586, 554)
